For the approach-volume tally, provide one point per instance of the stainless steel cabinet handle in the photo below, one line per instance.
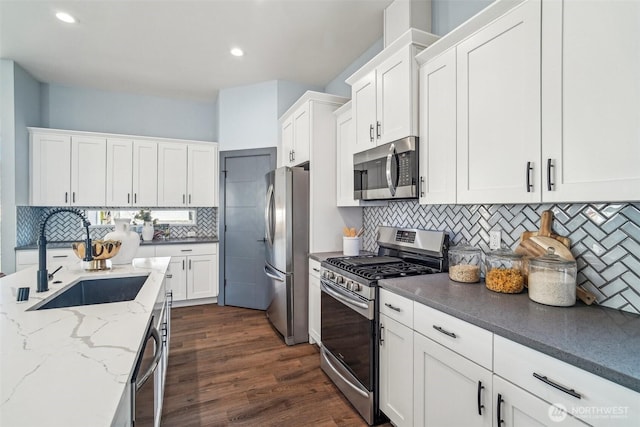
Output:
(183, 264)
(316, 270)
(293, 154)
(371, 133)
(189, 264)
(443, 331)
(169, 276)
(189, 198)
(422, 186)
(567, 390)
(186, 250)
(392, 307)
(128, 197)
(73, 197)
(183, 199)
(499, 410)
(135, 197)
(549, 182)
(60, 256)
(380, 334)
(529, 171)
(66, 197)
(378, 127)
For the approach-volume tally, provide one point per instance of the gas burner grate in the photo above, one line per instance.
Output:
(388, 267)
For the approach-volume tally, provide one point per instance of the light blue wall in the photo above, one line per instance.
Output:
(448, 14)
(248, 115)
(76, 108)
(337, 86)
(19, 108)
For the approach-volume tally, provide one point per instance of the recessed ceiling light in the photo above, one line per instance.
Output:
(65, 17)
(236, 51)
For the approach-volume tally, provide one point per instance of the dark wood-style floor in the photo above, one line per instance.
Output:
(227, 366)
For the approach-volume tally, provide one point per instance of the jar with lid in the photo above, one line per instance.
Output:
(552, 280)
(504, 271)
(464, 263)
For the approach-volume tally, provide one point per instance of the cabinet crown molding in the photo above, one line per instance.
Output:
(113, 135)
(311, 95)
(411, 37)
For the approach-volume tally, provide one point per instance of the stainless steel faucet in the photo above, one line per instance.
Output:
(43, 274)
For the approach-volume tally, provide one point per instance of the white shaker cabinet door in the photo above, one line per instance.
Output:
(202, 276)
(145, 173)
(172, 174)
(591, 100)
(395, 80)
(499, 110)
(50, 166)
(449, 390)
(396, 371)
(203, 175)
(176, 277)
(119, 172)
(438, 130)
(302, 134)
(364, 112)
(88, 170)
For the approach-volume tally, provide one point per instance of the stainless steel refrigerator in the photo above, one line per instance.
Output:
(287, 249)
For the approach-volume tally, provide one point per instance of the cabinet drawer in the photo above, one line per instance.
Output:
(186, 250)
(396, 307)
(470, 341)
(60, 256)
(26, 258)
(314, 267)
(585, 395)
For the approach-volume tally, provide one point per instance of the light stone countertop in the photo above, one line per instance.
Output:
(71, 366)
(600, 340)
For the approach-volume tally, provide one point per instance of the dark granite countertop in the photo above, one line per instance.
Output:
(603, 341)
(174, 241)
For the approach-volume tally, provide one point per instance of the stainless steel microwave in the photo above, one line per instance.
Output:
(388, 171)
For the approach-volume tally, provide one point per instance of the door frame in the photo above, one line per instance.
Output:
(268, 151)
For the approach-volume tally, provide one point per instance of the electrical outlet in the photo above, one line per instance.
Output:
(191, 234)
(495, 238)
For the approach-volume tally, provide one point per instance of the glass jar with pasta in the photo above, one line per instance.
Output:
(504, 271)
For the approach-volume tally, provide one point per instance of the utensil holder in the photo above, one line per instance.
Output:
(351, 246)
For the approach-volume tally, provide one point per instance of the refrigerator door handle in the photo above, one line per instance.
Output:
(268, 216)
(269, 271)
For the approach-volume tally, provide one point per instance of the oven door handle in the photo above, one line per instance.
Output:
(339, 295)
(355, 388)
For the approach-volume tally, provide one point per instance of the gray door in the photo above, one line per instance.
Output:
(243, 282)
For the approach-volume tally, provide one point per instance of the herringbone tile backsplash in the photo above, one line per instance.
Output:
(64, 226)
(605, 238)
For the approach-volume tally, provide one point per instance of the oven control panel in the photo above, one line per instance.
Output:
(348, 284)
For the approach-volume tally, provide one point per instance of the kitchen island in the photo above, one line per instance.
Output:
(72, 366)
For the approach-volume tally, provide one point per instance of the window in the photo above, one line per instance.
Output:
(170, 217)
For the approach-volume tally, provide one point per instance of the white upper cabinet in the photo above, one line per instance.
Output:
(132, 172)
(498, 120)
(438, 130)
(296, 135)
(384, 92)
(67, 170)
(50, 169)
(88, 170)
(344, 162)
(591, 100)
(187, 174)
(202, 182)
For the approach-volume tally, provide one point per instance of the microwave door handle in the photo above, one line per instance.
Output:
(153, 333)
(390, 155)
(268, 216)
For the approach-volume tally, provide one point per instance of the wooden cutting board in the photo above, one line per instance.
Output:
(546, 222)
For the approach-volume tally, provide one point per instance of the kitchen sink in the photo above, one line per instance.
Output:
(95, 291)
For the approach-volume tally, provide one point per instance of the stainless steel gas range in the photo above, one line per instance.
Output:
(349, 308)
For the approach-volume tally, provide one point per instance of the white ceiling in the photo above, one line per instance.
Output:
(180, 48)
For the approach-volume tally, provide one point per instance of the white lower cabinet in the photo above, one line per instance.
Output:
(438, 370)
(55, 258)
(396, 374)
(193, 270)
(448, 389)
(314, 302)
(518, 408)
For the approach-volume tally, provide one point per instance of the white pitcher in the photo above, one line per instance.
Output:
(129, 238)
